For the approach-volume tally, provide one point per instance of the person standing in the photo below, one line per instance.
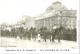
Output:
(59, 32)
(53, 32)
(53, 35)
(39, 38)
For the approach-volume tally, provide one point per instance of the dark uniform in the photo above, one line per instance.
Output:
(53, 34)
(59, 32)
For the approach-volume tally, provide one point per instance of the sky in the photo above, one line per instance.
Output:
(12, 10)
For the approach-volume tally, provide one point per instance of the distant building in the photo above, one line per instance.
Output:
(56, 15)
(26, 22)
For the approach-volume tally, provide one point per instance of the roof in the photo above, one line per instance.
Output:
(69, 13)
(56, 6)
(53, 13)
(45, 15)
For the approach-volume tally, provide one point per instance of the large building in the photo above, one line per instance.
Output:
(56, 15)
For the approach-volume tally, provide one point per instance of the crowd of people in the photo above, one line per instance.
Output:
(33, 33)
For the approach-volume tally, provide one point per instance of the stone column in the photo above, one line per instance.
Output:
(44, 22)
(50, 24)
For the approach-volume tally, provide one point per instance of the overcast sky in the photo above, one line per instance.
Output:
(12, 10)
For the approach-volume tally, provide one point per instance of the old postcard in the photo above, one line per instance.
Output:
(39, 26)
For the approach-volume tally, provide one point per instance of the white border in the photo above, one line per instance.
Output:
(72, 51)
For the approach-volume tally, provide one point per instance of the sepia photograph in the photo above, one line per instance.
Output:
(38, 24)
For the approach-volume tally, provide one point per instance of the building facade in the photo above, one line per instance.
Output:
(56, 17)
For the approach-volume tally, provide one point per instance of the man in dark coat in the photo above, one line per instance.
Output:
(53, 34)
(59, 32)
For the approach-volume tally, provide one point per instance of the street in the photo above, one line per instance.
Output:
(18, 43)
